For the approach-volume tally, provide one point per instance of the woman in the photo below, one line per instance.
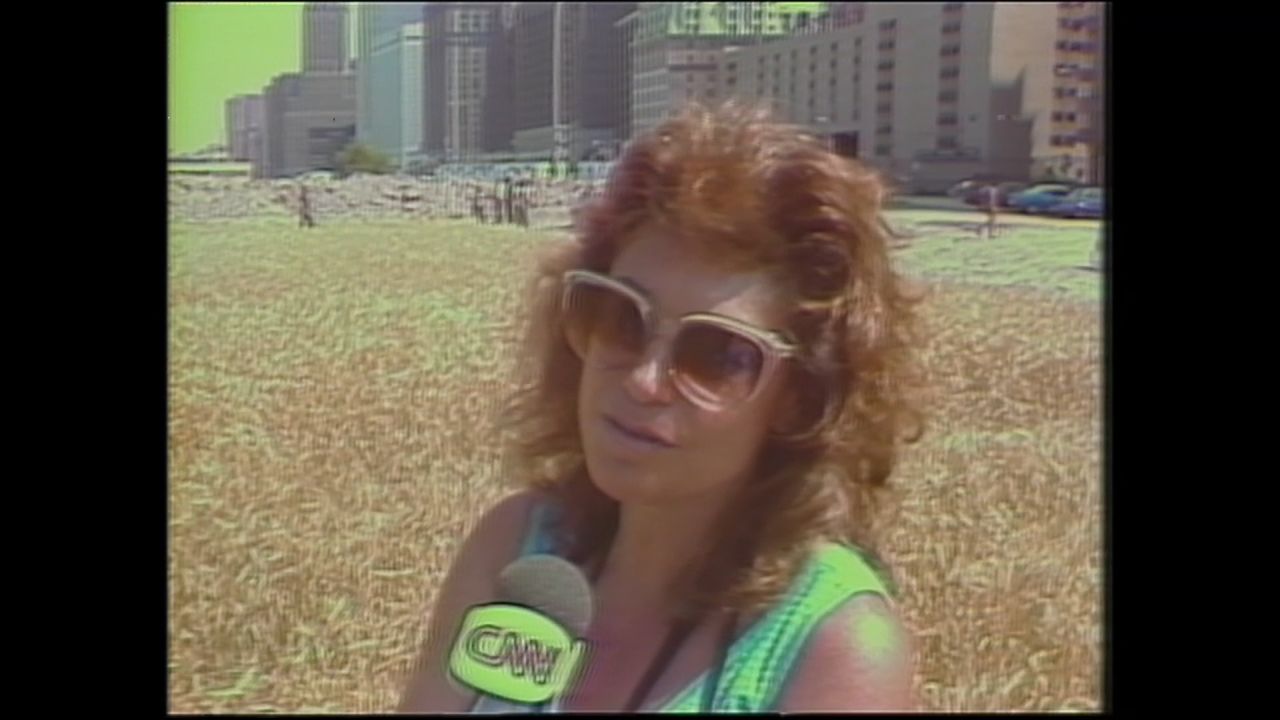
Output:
(718, 375)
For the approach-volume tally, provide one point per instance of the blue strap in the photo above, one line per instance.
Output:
(537, 540)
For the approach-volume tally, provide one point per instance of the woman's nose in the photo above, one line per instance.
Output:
(649, 381)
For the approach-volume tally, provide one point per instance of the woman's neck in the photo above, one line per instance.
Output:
(653, 546)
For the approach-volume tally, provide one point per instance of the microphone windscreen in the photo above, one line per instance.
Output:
(551, 585)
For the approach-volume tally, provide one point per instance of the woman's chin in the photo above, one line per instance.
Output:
(624, 482)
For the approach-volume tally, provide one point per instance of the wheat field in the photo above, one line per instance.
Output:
(330, 392)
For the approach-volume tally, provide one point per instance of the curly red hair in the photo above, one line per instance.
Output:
(753, 194)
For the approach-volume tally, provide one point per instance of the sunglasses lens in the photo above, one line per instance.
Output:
(717, 364)
(603, 323)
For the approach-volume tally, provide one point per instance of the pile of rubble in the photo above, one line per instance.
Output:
(206, 199)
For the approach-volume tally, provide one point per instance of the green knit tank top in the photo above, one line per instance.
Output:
(760, 659)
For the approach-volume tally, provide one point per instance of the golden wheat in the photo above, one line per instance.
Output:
(331, 394)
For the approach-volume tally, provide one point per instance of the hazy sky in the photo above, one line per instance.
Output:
(219, 50)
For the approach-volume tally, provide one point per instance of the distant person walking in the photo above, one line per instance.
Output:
(477, 208)
(508, 214)
(495, 201)
(304, 208)
(523, 188)
(991, 201)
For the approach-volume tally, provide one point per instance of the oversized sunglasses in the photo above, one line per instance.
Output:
(715, 361)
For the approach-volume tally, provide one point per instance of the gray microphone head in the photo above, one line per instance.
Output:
(551, 585)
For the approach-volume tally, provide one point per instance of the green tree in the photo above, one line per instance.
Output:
(358, 157)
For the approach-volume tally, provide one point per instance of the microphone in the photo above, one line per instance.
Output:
(524, 649)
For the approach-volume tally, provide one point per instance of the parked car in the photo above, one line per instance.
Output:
(963, 188)
(1040, 198)
(1004, 192)
(1080, 203)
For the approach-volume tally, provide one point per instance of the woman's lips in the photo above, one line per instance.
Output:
(637, 435)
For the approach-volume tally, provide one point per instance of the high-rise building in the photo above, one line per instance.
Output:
(586, 81)
(245, 119)
(377, 92)
(324, 37)
(597, 113)
(500, 89)
(845, 14)
(412, 57)
(626, 33)
(1079, 108)
(397, 63)
(1042, 68)
(391, 71)
(456, 59)
(813, 79)
(935, 92)
(676, 47)
(532, 52)
(310, 118)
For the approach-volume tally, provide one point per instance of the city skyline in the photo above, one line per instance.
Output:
(925, 91)
(220, 50)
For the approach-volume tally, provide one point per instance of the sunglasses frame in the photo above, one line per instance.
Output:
(774, 346)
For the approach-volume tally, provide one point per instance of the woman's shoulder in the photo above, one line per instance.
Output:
(858, 654)
(816, 645)
(516, 503)
(832, 574)
(836, 572)
(496, 538)
(859, 657)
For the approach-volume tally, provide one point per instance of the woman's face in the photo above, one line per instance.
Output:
(713, 450)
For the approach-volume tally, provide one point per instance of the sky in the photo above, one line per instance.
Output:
(219, 50)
